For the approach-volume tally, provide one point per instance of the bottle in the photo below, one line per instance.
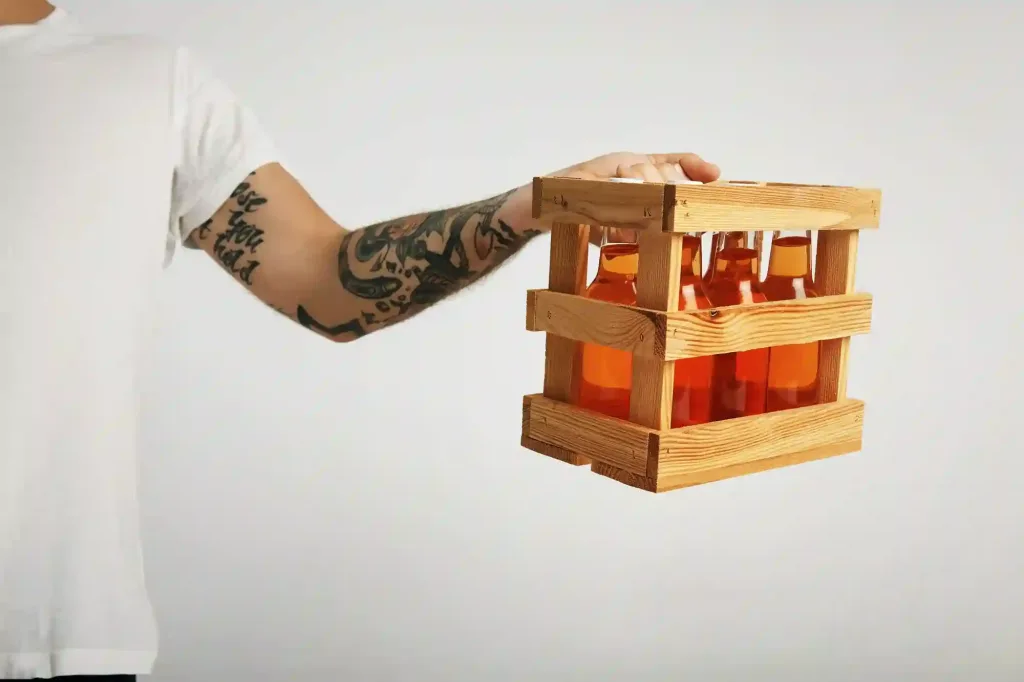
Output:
(720, 241)
(606, 374)
(691, 390)
(740, 379)
(792, 369)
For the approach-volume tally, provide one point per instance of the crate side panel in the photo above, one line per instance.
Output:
(615, 441)
(736, 328)
(703, 448)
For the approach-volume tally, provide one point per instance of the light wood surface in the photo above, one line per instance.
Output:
(736, 446)
(686, 334)
(574, 429)
(706, 207)
(835, 271)
(638, 206)
(567, 273)
(659, 461)
(657, 288)
(772, 206)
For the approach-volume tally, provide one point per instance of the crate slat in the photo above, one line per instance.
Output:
(708, 452)
(686, 334)
(706, 207)
(660, 461)
(657, 288)
(836, 267)
(573, 429)
(770, 206)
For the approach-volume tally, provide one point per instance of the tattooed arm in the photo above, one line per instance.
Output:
(272, 237)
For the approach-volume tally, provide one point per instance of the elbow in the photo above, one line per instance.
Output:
(343, 332)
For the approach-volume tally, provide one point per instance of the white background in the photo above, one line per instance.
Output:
(364, 511)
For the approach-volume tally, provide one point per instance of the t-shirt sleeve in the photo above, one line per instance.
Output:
(218, 142)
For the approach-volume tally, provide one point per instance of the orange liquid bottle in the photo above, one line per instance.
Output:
(792, 369)
(740, 379)
(691, 391)
(719, 241)
(606, 374)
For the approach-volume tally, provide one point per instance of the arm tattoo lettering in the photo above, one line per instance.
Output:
(236, 245)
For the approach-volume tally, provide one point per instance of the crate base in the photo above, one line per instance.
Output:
(652, 485)
(680, 458)
(555, 452)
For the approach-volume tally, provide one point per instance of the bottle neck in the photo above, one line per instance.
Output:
(691, 262)
(790, 257)
(735, 263)
(618, 262)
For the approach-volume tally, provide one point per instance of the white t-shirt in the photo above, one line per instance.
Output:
(112, 148)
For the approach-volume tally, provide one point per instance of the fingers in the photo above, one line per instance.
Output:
(692, 165)
(641, 171)
(670, 168)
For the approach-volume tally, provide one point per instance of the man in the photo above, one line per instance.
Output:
(112, 151)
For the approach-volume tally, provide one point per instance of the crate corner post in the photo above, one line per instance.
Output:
(567, 272)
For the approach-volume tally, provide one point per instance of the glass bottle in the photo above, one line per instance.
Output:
(792, 369)
(691, 391)
(606, 374)
(720, 241)
(740, 379)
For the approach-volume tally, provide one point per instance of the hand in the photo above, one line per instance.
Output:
(646, 167)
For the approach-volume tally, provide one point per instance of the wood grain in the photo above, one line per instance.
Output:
(694, 453)
(553, 451)
(657, 288)
(639, 206)
(685, 334)
(616, 441)
(566, 274)
(641, 481)
(772, 206)
(835, 272)
(760, 325)
(612, 325)
(709, 207)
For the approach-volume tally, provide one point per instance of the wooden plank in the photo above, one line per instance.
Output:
(761, 325)
(709, 452)
(835, 271)
(553, 451)
(616, 441)
(567, 274)
(695, 333)
(657, 288)
(638, 206)
(643, 482)
(743, 469)
(771, 206)
(612, 325)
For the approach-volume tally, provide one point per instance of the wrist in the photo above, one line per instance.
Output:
(518, 211)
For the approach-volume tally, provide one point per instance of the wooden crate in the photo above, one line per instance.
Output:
(644, 451)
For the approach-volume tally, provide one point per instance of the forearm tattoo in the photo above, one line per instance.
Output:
(392, 270)
(400, 267)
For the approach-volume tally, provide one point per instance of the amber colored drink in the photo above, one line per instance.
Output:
(792, 369)
(740, 379)
(691, 391)
(607, 373)
(719, 242)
